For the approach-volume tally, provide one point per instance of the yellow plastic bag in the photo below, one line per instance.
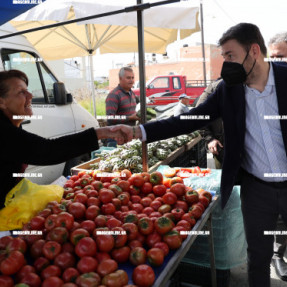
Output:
(24, 201)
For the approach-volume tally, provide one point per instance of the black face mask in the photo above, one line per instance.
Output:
(234, 73)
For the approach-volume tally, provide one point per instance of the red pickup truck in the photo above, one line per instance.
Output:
(163, 90)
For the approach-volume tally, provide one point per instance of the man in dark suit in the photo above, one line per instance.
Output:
(252, 102)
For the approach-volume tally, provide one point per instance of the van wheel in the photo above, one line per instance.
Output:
(74, 162)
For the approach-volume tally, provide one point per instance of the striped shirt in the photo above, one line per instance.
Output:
(119, 105)
(265, 154)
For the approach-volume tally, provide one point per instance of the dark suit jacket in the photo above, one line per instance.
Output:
(229, 104)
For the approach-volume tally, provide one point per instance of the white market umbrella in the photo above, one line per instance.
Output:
(112, 34)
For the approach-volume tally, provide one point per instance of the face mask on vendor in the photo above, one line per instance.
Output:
(234, 73)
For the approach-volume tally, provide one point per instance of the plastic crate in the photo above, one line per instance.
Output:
(199, 275)
(196, 156)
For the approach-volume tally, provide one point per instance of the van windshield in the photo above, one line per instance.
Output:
(41, 80)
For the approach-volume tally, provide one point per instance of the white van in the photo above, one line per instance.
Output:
(56, 112)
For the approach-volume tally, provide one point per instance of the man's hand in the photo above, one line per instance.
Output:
(128, 131)
(133, 117)
(212, 146)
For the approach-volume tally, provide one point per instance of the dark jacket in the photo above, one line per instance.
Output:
(213, 130)
(18, 148)
(229, 104)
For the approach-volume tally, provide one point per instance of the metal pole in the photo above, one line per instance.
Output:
(140, 25)
(92, 85)
(202, 42)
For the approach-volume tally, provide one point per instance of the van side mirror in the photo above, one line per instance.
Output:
(60, 93)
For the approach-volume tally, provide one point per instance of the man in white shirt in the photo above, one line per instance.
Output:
(182, 105)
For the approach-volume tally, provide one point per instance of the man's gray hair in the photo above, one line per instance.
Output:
(123, 70)
(278, 38)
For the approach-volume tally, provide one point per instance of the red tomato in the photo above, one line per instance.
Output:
(182, 231)
(191, 196)
(134, 243)
(53, 282)
(143, 276)
(58, 234)
(189, 218)
(51, 270)
(131, 229)
(65, 260)
(117, 203)
(165, 208)
(159, 190)
(145, 226)
(163, 225)
(137, 207)
(148, 210)
(172, 239)
(125, 174)
(4, 241)
(101, 256)
(16, 244)
(78, 234)
(89, 225)
(6, 281)
(134, 190)
(138, 256)
(178, 213)
(106, 195)
(65, 219)
(87, 264)
(152, 239)
(24, 270)
(120, 237)
(185, 224)
(195, 211)
(204, 200)
(41, 263)
(89, 279)
(136, 180)
(121, 254)
(77, 209)
(156, 178)
(178, 189)
(175, 180)
(113, 222)
(86, 247)
(155, 204)
(51, 249)
(70, 274)
(37, 223)
(50, 221)
(169, 198)
(106, 267)
(163, 246)
(146, 176)
(108, 208)
(167, 182)
(31, 279)
(123, 198)
(101, 220)
(91, 193)
(155, 256)
(12, 263)
(105, 242)
(146, 188)
(181, 204)
(97, 185)
(124, 185)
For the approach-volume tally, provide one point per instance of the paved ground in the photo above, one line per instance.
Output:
(238, 276)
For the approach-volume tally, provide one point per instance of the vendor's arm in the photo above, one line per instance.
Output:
(22, 146)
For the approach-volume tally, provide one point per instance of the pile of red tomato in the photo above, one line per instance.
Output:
(99, 223)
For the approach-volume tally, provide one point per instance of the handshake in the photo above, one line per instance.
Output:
(121, 133)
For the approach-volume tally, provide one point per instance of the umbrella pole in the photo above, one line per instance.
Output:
(202, 42)
(141, 56)
(92, 85)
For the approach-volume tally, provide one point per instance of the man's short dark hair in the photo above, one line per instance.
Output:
(6, 75)
(245, 34)
(278, 38)
(123, 70)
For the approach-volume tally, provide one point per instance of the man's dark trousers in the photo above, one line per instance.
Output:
(261, 204)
